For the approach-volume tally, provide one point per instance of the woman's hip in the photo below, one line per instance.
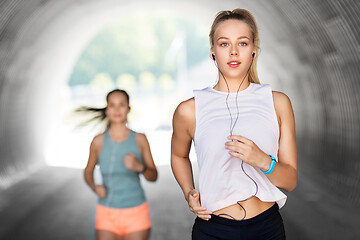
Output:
(267, 225)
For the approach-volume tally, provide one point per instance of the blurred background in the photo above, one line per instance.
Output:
(58, 55)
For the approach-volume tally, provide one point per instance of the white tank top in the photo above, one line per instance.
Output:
(222, 182)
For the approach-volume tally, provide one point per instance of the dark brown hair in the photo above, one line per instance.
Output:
(100, 113)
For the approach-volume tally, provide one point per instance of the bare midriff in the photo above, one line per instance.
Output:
(253, 207)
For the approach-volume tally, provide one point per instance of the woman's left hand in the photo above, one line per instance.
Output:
(246, 150)
(132, 163)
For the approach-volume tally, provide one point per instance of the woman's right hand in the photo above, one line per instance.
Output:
(100, 190)
(195, 206)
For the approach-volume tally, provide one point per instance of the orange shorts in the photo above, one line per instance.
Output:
(122, 221)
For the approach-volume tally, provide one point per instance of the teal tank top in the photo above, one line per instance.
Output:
(123, 187)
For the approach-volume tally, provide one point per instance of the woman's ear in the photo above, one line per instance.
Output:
(254, 53)
(212, 54)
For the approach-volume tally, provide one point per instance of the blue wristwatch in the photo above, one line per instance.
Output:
(272, 165)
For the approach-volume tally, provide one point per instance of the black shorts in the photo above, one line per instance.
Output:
(268, 225)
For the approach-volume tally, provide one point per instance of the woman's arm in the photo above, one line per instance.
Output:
(95, 148)
(285, 172)
(183, 131)
(284, 175)
(181, 144)
(150, 172)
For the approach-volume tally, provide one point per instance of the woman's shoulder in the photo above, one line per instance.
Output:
(97, 141)
(185, 112)
(98, 138)
(280, 98)
(282, 103)
(141, 140)
(140, 136)
(186, 106)
(185, 109)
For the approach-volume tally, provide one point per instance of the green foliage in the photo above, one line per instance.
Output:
(139, 44)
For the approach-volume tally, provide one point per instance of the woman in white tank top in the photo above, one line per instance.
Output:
(244, 137)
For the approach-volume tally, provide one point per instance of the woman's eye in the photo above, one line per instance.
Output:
(223, 44)
(242, 44)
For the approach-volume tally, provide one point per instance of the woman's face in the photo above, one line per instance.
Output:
(117, 108)
(233, 48)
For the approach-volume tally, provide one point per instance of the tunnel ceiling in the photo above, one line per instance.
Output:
(309, 50)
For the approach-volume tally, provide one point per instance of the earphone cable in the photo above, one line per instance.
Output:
(232, 126)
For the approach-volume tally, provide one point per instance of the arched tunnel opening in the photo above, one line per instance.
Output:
(309, 50)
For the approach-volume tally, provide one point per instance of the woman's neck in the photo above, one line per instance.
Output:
(118, 128)
(118, 132)
(233, 85)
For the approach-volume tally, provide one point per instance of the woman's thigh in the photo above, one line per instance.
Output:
(140, 235)
(107, 235)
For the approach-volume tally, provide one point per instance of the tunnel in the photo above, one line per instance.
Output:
(309, 50)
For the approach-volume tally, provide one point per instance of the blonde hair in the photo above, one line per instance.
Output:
(248, 18)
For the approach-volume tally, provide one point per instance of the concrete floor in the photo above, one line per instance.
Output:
(54, 203)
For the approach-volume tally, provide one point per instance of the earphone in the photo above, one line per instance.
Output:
(232, 126)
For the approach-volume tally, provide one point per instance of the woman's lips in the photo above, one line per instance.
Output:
(233, 64)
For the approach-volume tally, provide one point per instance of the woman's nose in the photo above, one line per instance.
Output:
(234, 51)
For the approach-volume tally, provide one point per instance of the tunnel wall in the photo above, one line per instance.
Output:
(322, 83)
(18, 157)
(330, 154)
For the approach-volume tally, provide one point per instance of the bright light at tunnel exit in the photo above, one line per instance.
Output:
(154, 91)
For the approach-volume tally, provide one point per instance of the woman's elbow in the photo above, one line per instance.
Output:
(153, 176)
(152, 179)
(292, 185)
